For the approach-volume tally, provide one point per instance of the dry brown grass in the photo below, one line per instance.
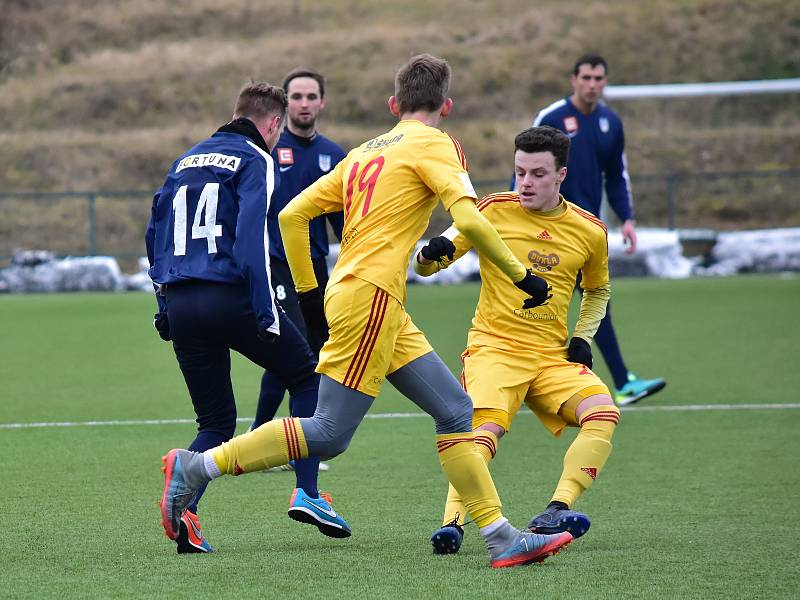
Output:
(104, 95)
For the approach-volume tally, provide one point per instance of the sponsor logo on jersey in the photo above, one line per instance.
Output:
(543, 262)
(592, 471)
(285, 156)
(324, 161)
(284, 169)
(604, 125)
(348, 236)
(214, 159)
(528, 313)
(545, 235)
(469, 190)
(376, 143)
(585, 371)
(570, 125)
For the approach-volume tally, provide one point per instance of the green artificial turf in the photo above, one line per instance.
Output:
(694, 503)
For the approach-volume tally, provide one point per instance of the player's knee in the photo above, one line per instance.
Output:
(491, 419)
(324, 438)
(600, 398)
(334, 447)
(496, 429)
(458, 417)
(606, 415)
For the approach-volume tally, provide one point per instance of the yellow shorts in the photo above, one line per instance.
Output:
(371, 335)
(501, 380)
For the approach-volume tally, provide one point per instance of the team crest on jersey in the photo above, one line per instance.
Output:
(285, 156)
(543, 262)
(604, 125)
(324, 162)
(570, 125)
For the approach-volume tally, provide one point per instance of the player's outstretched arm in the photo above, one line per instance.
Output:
(488, 243)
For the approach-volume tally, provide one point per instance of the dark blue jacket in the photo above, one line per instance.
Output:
(208, 220)
(301, 162)
(597, 150)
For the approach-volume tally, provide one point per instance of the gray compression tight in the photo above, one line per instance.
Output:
(426, 381)
(429, 384)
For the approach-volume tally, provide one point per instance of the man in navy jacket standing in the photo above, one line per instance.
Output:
(302, 155)
(597, 155)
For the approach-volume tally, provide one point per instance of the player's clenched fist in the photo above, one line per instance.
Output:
(437, 248)
(313, 309)
(536, 288)
(579, 351)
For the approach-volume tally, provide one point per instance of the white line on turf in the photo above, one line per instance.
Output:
(626, 409)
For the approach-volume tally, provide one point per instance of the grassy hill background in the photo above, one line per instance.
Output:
(104, 95)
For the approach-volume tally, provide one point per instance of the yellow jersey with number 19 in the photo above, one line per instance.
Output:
(388, 187)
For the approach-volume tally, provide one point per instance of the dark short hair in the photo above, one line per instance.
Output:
(592, 60)
(422, 84)
(304, 72)
(544, 139)
(259, 99)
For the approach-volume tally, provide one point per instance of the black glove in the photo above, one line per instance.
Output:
(579, 351)
(313, 309)
(265, 335)
(536, 288)
(437, 248)
(161, 323)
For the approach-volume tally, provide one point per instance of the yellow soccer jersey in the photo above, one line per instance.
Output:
(556, 248)
(388, 188)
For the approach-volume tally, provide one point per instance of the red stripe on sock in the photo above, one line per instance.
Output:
(445, 444)
(610, 419)
(602, 413)
(292, 443)
(487, 442)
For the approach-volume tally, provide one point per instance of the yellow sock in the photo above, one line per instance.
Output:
(588, 453)
(273, 444)
(454, 509)
(467, 472)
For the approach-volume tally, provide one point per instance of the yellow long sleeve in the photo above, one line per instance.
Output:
(470, 222)
(293, 221)
(593, 309)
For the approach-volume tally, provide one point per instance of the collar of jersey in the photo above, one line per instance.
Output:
(553, 213)
(299, 139)
(246, 128)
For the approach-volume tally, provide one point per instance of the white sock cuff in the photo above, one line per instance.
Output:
(492, 527)
(211, 467)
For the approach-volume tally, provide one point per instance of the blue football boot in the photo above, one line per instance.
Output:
(556, 520)
(636, 389)
(447, 539)
(318, 512)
